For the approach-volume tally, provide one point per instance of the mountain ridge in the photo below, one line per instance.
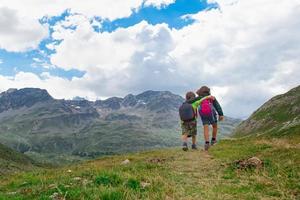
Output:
(276, 116)
(80, 129)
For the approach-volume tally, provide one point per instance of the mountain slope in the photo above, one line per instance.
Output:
(220, 173)
(46, 128)
(12, 161)
(279, 116)
(169, 174)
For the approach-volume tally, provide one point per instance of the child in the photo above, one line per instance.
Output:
(188, 115)
(207, 111)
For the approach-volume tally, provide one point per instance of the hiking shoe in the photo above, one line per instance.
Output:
(213, 142)
(185, 147)
(194, 147)
(206, 146)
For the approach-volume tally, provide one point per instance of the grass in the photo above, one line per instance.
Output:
(278, 116)
(171, 174)
(11, 161)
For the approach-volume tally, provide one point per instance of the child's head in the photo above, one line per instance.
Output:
(190, 95)
(203, 91)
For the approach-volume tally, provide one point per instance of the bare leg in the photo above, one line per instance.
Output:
(194, 139)
(184, 138)
(215, 130)
(206, 132)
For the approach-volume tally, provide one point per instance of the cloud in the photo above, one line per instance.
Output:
(105, 8)
(56, 86)
(244, 52)
(158, 3)
(245, 48)
(96, 49)
(118, 61)
(19, 33)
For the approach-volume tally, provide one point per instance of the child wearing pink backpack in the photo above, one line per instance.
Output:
(208, 110)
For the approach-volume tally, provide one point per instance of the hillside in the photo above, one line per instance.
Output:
(171, 174)
(34, 123)
(259, 166)
(280, 116)
(12, 161)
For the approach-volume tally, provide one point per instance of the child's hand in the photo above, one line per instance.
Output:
(221, 118)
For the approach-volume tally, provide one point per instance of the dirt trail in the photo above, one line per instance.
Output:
(197, 173)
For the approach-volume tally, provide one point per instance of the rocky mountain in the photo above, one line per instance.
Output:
(34, 123)
(14, 99)
(277, 117)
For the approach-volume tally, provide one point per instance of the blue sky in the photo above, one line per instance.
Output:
(97, 49)
(35, 60)
(171, 15)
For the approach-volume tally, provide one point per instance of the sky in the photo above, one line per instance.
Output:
(245, 51)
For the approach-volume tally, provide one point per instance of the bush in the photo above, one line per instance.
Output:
(133, 184)
(108, 179)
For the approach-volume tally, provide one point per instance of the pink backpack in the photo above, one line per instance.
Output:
(206, 108)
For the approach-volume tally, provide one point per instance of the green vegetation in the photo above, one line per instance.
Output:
(172, 174)
(11, 161)
(271, 137)
(64, 131)
(276, 117)
(95, 139)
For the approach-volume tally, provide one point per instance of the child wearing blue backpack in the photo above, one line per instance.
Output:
(188, 116)
(208, 110)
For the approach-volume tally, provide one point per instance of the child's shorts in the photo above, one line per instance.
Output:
(209, 120)
(189, 128)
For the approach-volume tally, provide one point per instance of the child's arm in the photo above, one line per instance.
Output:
(196, 103)
(218, 108)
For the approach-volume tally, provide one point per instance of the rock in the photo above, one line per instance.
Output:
(145, 184)
(52, 186)
(86, 182)
(55, 196)
(58, 196)
(12, 193)
(125, 162)
(157, 160)
(252, 162)
(69, 171)
(26, 97)
(76, 178)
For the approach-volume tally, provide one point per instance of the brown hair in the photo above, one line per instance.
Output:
(190, 95)
(203, 91)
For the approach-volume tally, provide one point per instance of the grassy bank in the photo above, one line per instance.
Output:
(171, 174)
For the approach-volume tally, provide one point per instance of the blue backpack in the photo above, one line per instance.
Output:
(186, 112)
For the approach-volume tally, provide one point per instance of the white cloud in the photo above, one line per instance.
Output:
(37, 60)
(97, 50)
(56, 86)
(105, 8)
(21, 30)
(118, 60)
(249, 47)
(158, 3)
(19, 33)
(245, 52)
(1, 61)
